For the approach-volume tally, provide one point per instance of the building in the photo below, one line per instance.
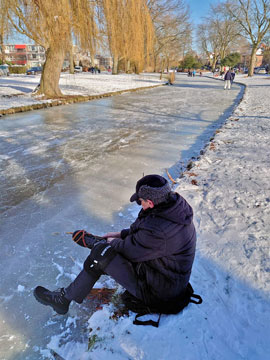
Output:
(259, 57)
(23, 54)
(104, 62)
(83, 58)
(34, 55)
(245, 55)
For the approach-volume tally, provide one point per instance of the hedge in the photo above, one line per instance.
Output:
(17, 69)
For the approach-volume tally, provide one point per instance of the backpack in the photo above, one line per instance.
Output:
(173, 307)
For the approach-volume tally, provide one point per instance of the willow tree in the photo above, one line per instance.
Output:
(140, 35)
(5, 28)
(253, 17)
(53, 24)
(129, 31)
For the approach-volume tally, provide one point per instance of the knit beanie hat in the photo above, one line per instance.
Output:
(152, 187)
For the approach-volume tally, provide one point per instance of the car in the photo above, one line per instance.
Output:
(4, 70)
(260, 70)
(34, 70)
(78, 69)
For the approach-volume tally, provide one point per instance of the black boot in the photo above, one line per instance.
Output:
(55, 299)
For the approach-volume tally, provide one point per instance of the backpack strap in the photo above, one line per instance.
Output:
(195, 296)
(146, 322)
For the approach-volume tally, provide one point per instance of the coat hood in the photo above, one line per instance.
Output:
(176, 210)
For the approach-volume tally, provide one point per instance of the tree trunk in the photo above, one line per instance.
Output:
(93, 60)
(49, 82)
(115, 65)
(128, 70)
(168, 64)
(214, 62)
(155, 63)
(252, 60)
(162, 69)
(136, 68)
(71, 61)
(3, 55)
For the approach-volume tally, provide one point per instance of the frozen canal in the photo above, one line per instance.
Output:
(73, 167)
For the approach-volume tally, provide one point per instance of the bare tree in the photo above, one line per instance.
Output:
(253, 16)
(172, 30)
(53, 24)
(267, 38)
(208, 43)
(217, 34)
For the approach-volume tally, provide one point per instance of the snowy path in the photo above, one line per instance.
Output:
(232, 207)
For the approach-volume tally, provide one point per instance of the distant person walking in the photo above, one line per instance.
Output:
(227, 78)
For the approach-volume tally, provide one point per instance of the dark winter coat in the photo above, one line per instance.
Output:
(228, 75)
(161, 245)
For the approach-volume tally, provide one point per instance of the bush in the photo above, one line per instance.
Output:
(17, 69)
(5, 62)
(231, 60)
(190, 62)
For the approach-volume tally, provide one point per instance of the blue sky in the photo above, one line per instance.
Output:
(199, 8)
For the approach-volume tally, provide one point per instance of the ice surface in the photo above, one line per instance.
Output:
(75, 167)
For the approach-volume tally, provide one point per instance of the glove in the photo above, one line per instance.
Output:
(85, 239)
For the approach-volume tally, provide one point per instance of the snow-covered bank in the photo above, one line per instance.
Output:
(16, 90)
(231, 200)
(228, 187)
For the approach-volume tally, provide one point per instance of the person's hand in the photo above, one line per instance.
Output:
(109, 239)
(112, 235)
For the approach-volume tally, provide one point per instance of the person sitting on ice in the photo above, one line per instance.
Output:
(152, 259)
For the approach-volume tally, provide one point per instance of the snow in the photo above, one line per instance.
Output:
(228, 188)
(21, 288)
(16, 90)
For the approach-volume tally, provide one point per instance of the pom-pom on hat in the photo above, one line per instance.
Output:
(152, 187)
